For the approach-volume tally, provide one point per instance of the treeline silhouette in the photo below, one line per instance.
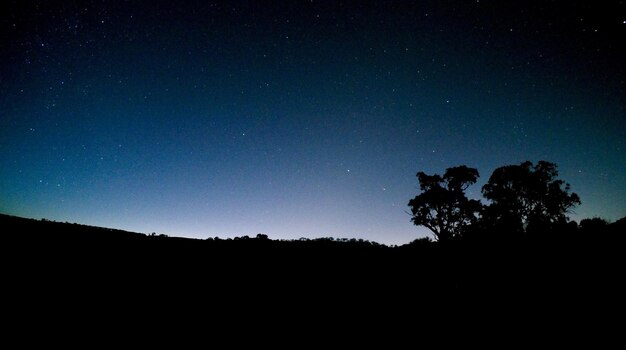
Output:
(90, 274)
(443, 266)
(483, 263)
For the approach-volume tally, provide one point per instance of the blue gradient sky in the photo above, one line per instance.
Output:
(300, 119)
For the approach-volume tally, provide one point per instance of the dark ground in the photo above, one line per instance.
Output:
(84, 272)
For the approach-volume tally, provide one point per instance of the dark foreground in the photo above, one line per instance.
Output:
(84, 272)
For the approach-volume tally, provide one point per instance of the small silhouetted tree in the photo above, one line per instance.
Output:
(524, 197)
(442, 207)
(593, 224)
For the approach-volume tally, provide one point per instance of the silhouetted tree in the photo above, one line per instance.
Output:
(593, 224)
(525, 197)
(442, 207)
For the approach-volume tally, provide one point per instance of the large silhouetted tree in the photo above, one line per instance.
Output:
(442, 207)
(525, 196)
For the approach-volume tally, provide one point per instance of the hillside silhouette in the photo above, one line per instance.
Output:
(458, 267)
(91, 274)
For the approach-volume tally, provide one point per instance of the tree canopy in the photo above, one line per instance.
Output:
(442, 207)
(522, 198)
(527, 196)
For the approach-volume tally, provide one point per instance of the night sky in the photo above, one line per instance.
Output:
(300, 118)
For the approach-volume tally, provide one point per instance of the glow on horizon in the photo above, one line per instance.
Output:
(300, 120)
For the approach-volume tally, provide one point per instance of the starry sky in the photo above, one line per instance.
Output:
(300, 118)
